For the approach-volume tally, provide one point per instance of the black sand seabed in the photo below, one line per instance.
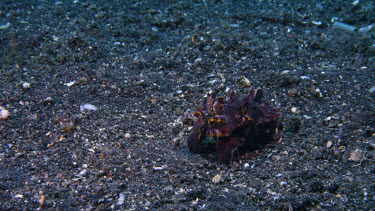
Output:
(146, 65)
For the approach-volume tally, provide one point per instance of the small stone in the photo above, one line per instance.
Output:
(26, 85)
(4, 114)
(147, 203)
(217, 179)
(82, 173)
(47, 101)
(42, 198)
(283, 183)
(157, 168)
(70, 83)
(140, 82)
(83, 80)
(318, 23)
(293, 92)
(121, 199)
(315, 92)
(88, 107)
(19, 196)
(294, 110)
(176, 141)
(198, 60)
(341, 149)
(244, 82)
(128, 135)
(329, 144)
(356, 155)
(179, 111)
(256, 183)
(68, 127)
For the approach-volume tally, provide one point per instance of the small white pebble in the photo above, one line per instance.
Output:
(127, 135)
(4, 114)
(294, 110)
(26, 85)
(217, 179)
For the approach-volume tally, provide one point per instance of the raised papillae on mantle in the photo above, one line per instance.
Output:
(232, 124)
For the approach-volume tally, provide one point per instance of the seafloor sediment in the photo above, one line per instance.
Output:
(100, 93)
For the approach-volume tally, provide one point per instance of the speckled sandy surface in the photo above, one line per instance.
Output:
(145, 66)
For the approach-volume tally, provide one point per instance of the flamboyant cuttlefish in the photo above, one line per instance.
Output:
(241, 124)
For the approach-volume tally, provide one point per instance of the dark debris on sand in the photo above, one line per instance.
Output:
(100, 95)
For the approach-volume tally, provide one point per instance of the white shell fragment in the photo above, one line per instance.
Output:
(121, 199)
(70, 83)
(318, 23)
(5, 26)
(156, 168)
(88, 107)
